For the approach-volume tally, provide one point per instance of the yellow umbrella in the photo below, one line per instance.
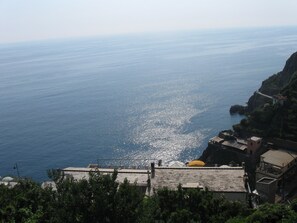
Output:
(196, 163)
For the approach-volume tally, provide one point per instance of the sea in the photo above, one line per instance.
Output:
(128, 98)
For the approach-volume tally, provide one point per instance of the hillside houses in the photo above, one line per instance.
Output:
(266, 161)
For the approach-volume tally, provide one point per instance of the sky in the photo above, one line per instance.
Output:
(26, 20)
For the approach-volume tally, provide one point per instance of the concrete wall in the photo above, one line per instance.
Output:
(253, 146)
(267, 187)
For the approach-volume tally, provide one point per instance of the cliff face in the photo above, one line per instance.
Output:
(274, 84)
(278, 119)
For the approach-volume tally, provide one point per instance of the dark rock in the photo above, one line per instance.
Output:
(290, 68)
(237, 109)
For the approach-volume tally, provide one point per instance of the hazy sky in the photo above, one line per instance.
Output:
(22, 20)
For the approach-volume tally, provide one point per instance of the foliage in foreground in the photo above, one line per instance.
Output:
(102, 199)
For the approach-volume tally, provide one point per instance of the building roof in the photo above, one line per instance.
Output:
(278, 158)
(216, 139)
(234, 144)
(216, 179)
(241, 141)
(140, 176)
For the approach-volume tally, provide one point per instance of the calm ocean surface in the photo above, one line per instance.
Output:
(160, 96)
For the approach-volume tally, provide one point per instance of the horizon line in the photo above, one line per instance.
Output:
(150, 32)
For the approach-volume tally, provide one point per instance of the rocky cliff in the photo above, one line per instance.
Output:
(277, 117)
(274, 84)
(275, 120)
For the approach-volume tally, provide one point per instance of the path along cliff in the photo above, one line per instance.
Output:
(271, 112)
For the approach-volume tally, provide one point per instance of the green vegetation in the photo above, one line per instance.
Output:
(102, 199)
(269, 213)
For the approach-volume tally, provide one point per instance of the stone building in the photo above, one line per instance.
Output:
(229, 182)
(226, 181)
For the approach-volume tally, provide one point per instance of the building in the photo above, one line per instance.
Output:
(253, 144)
(226, 140)
(230, 148)
(138, 176)
(276, 164)
(222, 181)
(280, 99)
(276, 174)
(266, 188)
(236, 145)
(216, 140)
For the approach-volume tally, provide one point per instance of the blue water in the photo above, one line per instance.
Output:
(161, 96)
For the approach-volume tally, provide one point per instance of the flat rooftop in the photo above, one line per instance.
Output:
(235, 145)
(140, 176)
(216, 179)
(279, 157)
